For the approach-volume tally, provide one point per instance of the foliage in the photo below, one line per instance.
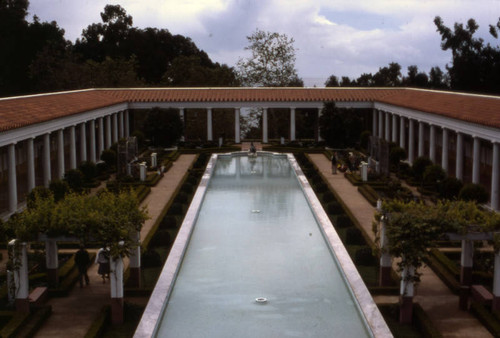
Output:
(74, 179)
(163, 126)
(450, 188)
(433, 175)
(419, 166)
(88, 170)
(59, 188)
(413, 228)
(340, 128)
(396, 155)
(364, 139)
(109, 157)
(474, 192)
(272, 63)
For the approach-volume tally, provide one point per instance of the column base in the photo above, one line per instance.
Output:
(53, 277)
(22, 305)
(385, 278)
(117, 310)
(405, 309)
(466, 276)
(134, 279)
(463, 298)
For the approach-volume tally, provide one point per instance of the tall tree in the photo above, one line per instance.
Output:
(388, 76)
(332, 81)
(272, 63)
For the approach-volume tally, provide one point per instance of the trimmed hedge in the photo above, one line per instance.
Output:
(487, 318)
(99, 323)
(369, 193)
(15, 324)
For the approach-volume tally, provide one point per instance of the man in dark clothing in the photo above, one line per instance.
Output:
(82, 261)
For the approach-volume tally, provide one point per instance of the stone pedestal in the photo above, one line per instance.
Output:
(154, 161)
(142, 171)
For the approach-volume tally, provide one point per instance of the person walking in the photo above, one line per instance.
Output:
(102, 259)
(82, 261)
(334, 163)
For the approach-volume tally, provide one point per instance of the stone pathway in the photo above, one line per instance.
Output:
(72, 316)
(436, 299)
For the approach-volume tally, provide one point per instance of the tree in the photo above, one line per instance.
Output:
(339, 128)
(388, 76)
(272, 63)
(332, 81)
(163, 127)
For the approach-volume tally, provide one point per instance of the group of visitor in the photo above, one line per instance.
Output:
(82, 262)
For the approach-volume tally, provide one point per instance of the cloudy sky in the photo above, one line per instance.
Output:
(340, 37)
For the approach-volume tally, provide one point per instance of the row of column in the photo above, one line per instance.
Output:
(237, 132)
(384, 131)
(110, 129)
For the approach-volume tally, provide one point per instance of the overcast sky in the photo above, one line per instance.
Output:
(340, 37)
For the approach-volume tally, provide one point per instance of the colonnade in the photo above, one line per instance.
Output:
(386, 126)
(93, 138)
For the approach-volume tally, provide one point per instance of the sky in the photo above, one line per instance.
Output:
(332, 37)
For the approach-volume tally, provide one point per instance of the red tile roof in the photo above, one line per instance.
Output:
(21, 111)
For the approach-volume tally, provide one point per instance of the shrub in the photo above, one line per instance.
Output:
(474, 192)
(139, 135)
(187, 188)
(433, 175)
(404, 169)
(109, 157)
(74, 178)
(327, 197)
(176, 209)
(353, 236)
(320, 188)
(181, 197)
(450, 188)
(343, 221)
(160, 238)
(364, 257)
(88, 170)
(59, 188)
(39, 191)
(150, 259)
(168, 222)
(101, 168)
(396, 155)
(334, 208)
(419, 166)
(364, 139)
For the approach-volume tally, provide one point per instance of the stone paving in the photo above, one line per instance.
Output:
(72, 316)
(435, 298)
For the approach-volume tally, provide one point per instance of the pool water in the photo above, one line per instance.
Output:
(256, 237)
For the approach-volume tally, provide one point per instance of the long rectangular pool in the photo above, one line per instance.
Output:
(257, 257)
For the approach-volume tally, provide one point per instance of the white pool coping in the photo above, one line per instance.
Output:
(148, 325)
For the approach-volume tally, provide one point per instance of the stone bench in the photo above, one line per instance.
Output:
(481, 295)
(38, 296)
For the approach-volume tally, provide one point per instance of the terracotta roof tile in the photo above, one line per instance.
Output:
(21, 111)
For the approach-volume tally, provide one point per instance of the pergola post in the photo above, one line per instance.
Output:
(385, 257)
(292, 124)
(465, 272)
(407, 292)
(134, 279)
(52, 262)
(209, 125)
(21, 281)
(116, 283)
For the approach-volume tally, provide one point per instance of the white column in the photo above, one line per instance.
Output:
(264, 126)
(420, 139)
(459, 169)
(496, 282)
(476, 156)
(127, 124)
(402, 132)
(115, 128)
(46, 160)
(495, 177)
(237, 125)
(380, 124)
(83, 142)
(182, 115)
(100, 136)
(387, 127)
(92, 140)
(411, 141)
(21, 280)
(292, 124)
(444, 154)
(60, 153)
(374, 124)
(72, 148)
(31, 164)
(120, 124)
(11, 151)
(108, 132)
(394, 128)
(320, 110)
(210, 136)
(432, 143)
